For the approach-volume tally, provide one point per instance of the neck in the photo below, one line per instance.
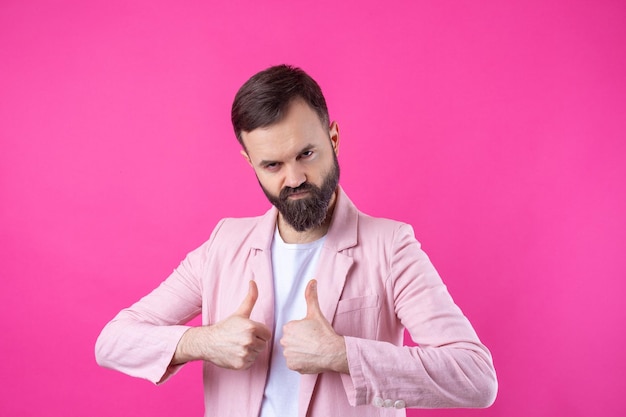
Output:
(291, 235)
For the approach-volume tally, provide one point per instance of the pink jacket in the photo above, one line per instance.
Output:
(373, 282)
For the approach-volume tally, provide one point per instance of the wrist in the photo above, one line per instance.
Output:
(340, 359)
(187, 347)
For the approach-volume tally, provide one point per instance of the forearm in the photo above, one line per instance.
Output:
(138, 349)
(461, 375)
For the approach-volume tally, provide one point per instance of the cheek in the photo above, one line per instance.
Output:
(271, 183)
(320, 173)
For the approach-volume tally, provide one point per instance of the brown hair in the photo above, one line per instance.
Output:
(264, 98)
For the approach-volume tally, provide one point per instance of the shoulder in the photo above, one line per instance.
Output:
(366, 229)
(386, 235)
(233, 234)
(254, 229)
(381, 223)
(383, 227)
(236, 224)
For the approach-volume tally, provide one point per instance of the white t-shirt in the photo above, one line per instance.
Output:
(294, 265)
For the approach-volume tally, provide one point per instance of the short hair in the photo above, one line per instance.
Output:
(264, 98)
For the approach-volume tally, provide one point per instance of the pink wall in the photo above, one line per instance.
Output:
(496, 128)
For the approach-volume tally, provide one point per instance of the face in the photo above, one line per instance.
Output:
(295, 161)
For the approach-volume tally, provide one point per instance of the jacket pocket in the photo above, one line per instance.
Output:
(358, 317)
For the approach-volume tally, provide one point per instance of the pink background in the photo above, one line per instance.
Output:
(496, 128)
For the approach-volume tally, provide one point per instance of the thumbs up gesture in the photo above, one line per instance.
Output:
(311, 345)
(232, 343)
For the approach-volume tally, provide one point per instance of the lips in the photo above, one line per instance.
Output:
(298, 195)
(298, 192)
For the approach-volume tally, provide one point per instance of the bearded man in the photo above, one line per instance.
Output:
(304, 308)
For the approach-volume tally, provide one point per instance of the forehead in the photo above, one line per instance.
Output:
(300, 128)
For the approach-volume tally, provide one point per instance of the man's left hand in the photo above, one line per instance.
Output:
(311, 345)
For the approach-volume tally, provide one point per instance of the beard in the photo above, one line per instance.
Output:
(308, 212)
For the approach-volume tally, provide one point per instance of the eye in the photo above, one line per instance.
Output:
(272, 166)
(306, 154)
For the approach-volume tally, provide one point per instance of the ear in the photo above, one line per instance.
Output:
(334, 136)
(246, 156)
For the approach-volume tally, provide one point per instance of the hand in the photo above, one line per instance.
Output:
(233, 343)
(311, 345)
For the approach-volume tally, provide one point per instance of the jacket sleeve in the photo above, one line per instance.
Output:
(450, 367)
(141, 340)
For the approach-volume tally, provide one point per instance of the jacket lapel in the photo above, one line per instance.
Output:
(261, 267)
(261, 272)
(335, 261)
(334, 266)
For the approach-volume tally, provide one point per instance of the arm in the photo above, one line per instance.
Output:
(149, 340)
(449, 368)
(141, 340)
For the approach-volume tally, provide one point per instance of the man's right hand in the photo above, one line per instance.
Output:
(233, 343)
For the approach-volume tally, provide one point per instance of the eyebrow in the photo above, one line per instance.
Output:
(266, 162)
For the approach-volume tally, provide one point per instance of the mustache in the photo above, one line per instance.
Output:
(287, 191)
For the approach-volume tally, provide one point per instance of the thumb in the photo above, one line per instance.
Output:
(245, 309)
(312, 303)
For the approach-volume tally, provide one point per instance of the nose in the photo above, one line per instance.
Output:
(294, 176)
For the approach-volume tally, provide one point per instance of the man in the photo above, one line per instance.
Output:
(275, 341)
